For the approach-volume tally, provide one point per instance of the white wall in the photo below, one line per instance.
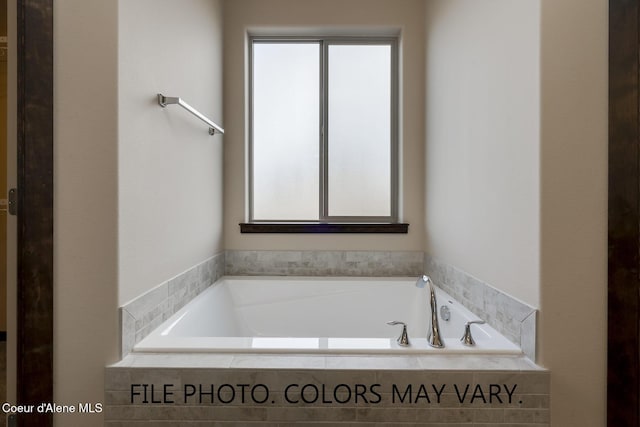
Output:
(169, 167)
(517, 173)
(319, 17)
(85, 202)
(125, 169)
(482, 140)
(573, 246)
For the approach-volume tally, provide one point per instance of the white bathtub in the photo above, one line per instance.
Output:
(316, 315)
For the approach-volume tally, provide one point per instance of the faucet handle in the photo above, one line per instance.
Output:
(467, 339)
(423, 281)
(403, 339)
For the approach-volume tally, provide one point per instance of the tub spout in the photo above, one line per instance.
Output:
(433, 335)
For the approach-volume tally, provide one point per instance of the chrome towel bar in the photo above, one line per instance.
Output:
(167, 100)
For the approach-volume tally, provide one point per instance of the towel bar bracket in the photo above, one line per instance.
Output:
(166, 100)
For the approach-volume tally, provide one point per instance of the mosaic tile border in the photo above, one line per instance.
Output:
(145, 313)
(324, 263)
(512, 318)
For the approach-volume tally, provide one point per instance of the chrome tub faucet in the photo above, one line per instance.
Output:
(433, 335)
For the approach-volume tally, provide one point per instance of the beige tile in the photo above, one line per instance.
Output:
(117, 379)
(526, 415)
(177, 360)
(326, 414)
(398, 415)
(403, 378)
(255, 361)
(372, 362)
(147, 302)
(446, 415)
(488, 415)
(526, 382)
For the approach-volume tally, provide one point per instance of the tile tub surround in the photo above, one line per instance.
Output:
(349, 383)
(324, 263)
(145, 313)
(512, 318)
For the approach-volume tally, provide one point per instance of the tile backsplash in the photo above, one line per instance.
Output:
(324, 263)
(514, 319)
(145, 313)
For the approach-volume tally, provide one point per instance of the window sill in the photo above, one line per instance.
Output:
(312, 227)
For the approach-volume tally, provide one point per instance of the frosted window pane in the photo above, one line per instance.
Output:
(359, 125)
(286, 109)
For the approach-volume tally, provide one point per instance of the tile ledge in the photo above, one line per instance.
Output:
(330, 362)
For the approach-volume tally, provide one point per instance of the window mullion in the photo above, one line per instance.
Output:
(324, 143)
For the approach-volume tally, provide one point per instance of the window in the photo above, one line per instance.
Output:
(323, 130)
